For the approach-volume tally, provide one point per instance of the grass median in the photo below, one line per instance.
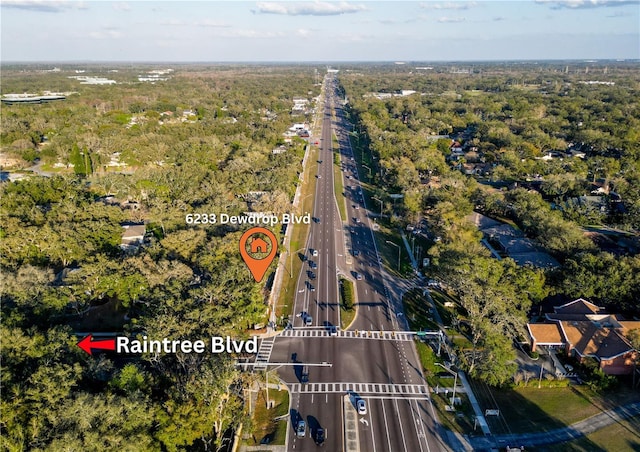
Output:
(338, 185)
(299, 234)
(266, 429)
(347, 303)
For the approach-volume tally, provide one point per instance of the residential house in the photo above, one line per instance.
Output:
(133, 236)
(585, 330)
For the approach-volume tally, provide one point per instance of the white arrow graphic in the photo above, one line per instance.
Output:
(364, 421)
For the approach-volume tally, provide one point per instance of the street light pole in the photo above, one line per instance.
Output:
(399, 250)
(380, 201)
(455, 382)
(365, 166)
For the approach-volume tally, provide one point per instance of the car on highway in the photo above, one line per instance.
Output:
(301, 429)
(308, 320)
(333, 330)
(311, 287)
(355, 253)
(314, 253)
(362, 407)
(358, 276)
(320, 436)
(312, 264)
(311, 274)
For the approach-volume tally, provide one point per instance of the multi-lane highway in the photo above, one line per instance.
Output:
(334, 369)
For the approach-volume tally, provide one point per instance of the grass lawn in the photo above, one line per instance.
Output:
(388, 252)
(299, 235)
(446, 314)
(620, 437)
(536, 410)
(418, 312)
(263, 418)
(462, 419)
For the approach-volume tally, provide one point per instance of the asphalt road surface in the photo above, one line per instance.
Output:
(372, 361)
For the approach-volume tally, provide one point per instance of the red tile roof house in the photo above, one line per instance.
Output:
(584, 330)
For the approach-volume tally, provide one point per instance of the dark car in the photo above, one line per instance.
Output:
(320, 436)
(312, 275)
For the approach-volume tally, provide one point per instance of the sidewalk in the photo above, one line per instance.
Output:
(482, 422)
(414, 263)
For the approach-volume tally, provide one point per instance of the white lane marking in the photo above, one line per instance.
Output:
(386, 426)
(404, 441)
(420, 423)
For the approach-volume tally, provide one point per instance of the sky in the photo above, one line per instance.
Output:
(237, 31)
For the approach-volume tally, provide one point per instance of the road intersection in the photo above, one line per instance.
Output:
(374, 360)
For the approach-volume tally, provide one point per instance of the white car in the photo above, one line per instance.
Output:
(362, 407)
(301, 429)
(314, 253)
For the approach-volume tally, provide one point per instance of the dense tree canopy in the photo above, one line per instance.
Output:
(64, 271)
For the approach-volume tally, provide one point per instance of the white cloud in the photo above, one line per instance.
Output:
(585, 4)
(451, 19)
(448, 5)
(211, 23)
(122, 6)
(249, 33)
(173, 22)
(303, 32)
(106, 34)
(317, 8)
(46, 6)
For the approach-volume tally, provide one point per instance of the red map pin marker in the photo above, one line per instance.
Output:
(254, 249)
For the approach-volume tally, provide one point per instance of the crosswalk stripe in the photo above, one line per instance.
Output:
(391, 390)
(386, 335)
